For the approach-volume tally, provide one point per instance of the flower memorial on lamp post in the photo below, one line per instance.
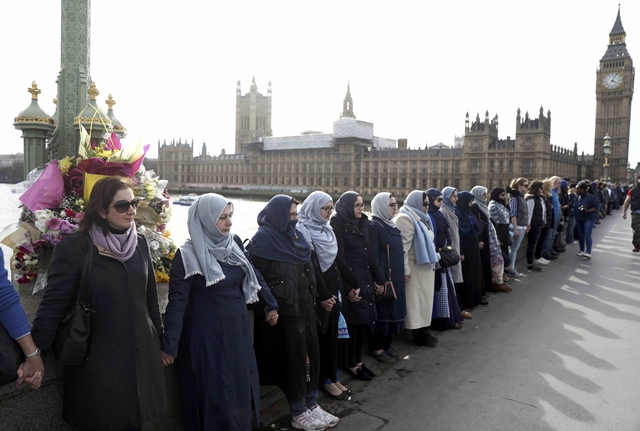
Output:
(53, 206)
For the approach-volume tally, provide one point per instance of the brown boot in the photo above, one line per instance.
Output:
(501, 288)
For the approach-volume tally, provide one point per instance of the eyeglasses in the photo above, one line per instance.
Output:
(359, 206)
(439, 199)
(123, 206)
(293, 215)
(425, 204)
(393, 205)
(328, 209)
(525, 185)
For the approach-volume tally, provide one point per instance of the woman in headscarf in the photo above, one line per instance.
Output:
(448, 210)
(471, 292)
(446, 310)
(492, 255)
(386, 243)
(420, 258)
(288, 353)
(313, 223)
(499, 214)
(361, 274)
(207, 323)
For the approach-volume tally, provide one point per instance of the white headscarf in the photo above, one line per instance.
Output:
(478, 192)
(208, 247)
(380, 208)
(316, 230)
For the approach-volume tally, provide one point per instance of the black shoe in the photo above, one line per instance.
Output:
(392, 352)
(343, 395)
(427, 342)
(383, 357)
(560, 249)
(359, 374)
(349, 392)
(367, 371)
(533, 268)
(550, 257)
(484, 303)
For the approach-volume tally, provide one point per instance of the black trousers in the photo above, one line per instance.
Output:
(532, 241)
(356, 340)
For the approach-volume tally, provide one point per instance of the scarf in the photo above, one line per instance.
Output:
(316, 230)
(423, 244)
(478, 192)
(277, 237)
(447, 208)
(120, 245)
(380, 208)
(344, 207)
(208, 247)
(495, 195)
(467, 222)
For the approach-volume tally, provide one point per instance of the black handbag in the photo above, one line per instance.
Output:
(71, 345)
(448, 256)
(389, 292)
(10, 357)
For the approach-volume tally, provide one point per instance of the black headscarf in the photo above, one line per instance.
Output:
(434, 212)
(277, 237)
(344, 207)
(467, 222)
(495, 195)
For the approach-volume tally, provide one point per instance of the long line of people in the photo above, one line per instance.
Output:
(321, 279)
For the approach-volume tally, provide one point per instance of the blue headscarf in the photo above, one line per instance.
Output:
(316, 230)
(467, 222)
(423, 244)
(277, 237)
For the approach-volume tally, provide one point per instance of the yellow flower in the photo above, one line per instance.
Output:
(65, 164)
(161, 277)
(166, 233)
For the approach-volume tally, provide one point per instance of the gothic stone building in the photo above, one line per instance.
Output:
(352, 158)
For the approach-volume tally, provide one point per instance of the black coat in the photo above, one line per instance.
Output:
(359, 268)
(121, 385)
(282, 350)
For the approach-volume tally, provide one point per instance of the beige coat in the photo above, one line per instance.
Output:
(420, 287)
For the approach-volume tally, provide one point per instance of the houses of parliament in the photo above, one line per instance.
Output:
(353, 158)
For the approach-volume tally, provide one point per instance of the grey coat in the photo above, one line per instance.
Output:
(121, 384)
(456, 270)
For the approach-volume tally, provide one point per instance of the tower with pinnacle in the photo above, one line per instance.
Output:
(253, 115)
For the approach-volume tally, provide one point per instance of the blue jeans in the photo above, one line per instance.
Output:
(515, 245)
(571, 227)
(584, 234)
(547, 245)
(310, 401)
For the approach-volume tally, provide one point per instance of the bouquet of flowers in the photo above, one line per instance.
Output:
(53, 206)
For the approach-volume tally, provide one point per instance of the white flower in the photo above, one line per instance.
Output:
(155, 245)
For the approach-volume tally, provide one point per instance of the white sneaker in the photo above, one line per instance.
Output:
(545, 260)
(580, 253)
(308, 422)
(541, 262)
(586, 255)
(321, 414)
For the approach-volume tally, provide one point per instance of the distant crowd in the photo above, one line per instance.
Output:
(324, 280)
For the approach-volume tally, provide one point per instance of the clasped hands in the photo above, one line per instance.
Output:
(328, 304)
(31, 372)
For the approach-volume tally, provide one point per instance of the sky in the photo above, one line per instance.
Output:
(415, 68)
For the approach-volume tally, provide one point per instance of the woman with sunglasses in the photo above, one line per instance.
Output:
(288, 353)
(120, 385)
(420, 258)
(446, 311)
(386, 243)
(313, 223)
(361, 274)
(207, 323)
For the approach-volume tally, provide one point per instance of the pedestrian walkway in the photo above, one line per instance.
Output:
(558, 353)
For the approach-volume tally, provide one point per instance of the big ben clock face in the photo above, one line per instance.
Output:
(612, 80)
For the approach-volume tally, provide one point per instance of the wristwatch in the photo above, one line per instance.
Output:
(31, 355)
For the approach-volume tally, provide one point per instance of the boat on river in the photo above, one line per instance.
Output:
(186, 200)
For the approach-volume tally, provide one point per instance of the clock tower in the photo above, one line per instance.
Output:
(614, 92)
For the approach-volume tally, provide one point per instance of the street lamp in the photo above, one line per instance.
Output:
(606, 149)
(629, 179)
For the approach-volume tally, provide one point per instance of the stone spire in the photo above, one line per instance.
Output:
(347, 104)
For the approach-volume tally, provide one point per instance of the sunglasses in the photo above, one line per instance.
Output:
(328, 209)
(123, 206)
(425, 204)
(439, 199)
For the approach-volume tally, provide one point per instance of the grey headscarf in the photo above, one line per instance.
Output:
(208, 247)
(380, 208)
(477, 192)
(316, 230)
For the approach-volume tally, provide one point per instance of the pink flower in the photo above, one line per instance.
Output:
(54, 223)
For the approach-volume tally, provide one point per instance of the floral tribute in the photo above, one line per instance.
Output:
(54, 204)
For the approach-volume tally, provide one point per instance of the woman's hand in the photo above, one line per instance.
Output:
(328, 304)
(461, 258)
(166, 359)
(271, 317)
(31, 372)
(354, 295)
(407, 278)
(481, 244)
(379, 290)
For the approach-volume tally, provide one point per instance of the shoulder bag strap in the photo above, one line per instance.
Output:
(84, 293)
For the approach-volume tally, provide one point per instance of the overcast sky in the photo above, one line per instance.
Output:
(416, 67)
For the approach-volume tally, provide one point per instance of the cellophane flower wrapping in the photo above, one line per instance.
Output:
(53, 206)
